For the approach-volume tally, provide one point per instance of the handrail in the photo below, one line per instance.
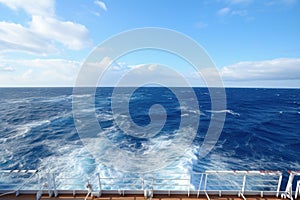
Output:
(20, 186)
(238, 182)
(243, 181)
(289, 187)
(297, 192)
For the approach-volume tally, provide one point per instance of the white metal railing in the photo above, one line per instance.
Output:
(12, 181)
(172, 182)
(241, 183)
(297, 192)
(289, 187)
(120, 183)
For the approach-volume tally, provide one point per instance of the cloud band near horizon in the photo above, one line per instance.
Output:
(60, 72)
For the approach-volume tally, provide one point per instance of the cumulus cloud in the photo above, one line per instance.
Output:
(15, 37)
(101, 5)
(149, 74)
(153, 74)
(32, 7)
(282, 72)
(42, 34)
(40, 72)
(73, 36)
(276, 69)
(92, 70)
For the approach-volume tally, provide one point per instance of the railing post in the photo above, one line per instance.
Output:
(189, 186)
(205, 182)
(244, 184)
(143, 183)
(199, 187)
(278, 186)
(152, 184)
(290, 184)
(49, 184)
(297, 189)
(54, 185)
(40, 186)
(100, 186)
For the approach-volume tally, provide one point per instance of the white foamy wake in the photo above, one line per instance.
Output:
(74, 166)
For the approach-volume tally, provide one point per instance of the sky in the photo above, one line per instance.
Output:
(252, 43)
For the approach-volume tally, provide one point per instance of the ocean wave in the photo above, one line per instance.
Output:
(224, 111)
(40, 133)
(80, 95)
(187, 111)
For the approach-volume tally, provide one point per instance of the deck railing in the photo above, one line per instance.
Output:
(292, 183)
(241, 183)
(13, 181)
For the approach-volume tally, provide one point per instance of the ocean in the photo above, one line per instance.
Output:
(261, 131)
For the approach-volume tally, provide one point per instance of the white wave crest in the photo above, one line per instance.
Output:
(224, 111)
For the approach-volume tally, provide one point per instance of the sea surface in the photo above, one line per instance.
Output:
(261, 131)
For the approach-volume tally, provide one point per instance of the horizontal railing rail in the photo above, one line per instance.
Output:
(241, 183)
(292, 182)
(12, 181)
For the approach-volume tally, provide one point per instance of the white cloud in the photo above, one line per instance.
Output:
(91, 71)
(231, 12)
(15, 37)
(40, 72)
(43, 32)
(153, 74)
(32, 7)
(73, 36)
(236, 8)
(6, 68)
(101, 5)
(224, 11)
(277, 69)
(281, 72)
(240, 12)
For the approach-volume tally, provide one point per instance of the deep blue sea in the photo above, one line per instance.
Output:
(261, 130)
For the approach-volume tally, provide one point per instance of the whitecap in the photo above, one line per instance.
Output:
(224, 111)
(185, 115)
(80, 95)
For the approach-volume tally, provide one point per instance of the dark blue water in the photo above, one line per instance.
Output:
(261, 130)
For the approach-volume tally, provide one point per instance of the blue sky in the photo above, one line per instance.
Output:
(253, 43)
